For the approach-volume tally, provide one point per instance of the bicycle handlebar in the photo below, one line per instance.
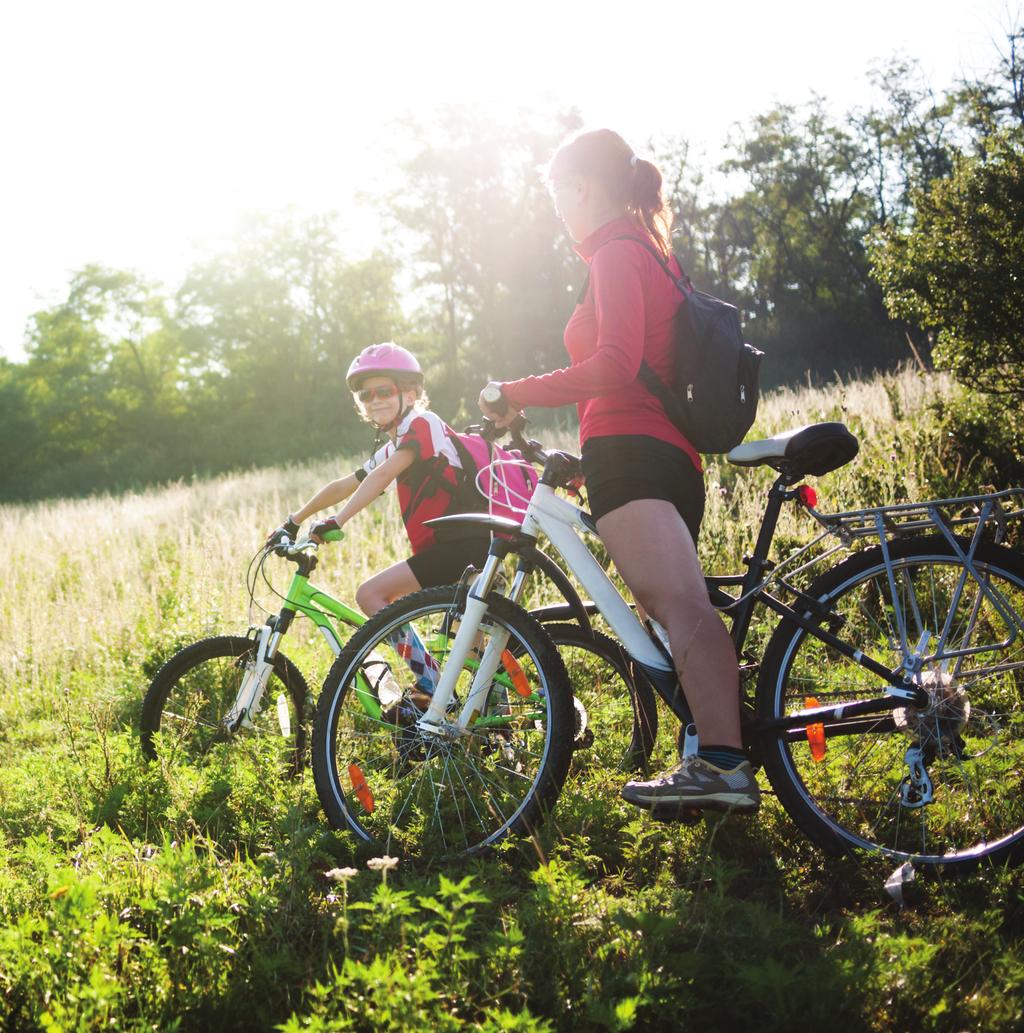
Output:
(492, 395)
(290, 549)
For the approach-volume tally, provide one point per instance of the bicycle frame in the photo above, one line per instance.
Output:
(327, 614)
(560, 521)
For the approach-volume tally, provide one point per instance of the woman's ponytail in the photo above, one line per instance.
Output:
(646, 202)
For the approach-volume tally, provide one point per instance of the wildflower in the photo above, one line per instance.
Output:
(341, 874)
(382, 864)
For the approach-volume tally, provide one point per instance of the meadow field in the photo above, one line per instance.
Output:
(165, 896)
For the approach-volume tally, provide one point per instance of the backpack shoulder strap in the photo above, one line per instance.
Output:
(683, 282)
(646, 374)
(469, 467)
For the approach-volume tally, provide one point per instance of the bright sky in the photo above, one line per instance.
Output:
(131, 131)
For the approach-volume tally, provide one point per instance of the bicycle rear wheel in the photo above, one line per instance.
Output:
(457, 792)
(942, 785)
(190, 695)
(617, 711)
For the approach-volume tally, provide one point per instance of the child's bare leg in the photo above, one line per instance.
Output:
(387, 586)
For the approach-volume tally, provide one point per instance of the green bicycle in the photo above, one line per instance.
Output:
(218, 690)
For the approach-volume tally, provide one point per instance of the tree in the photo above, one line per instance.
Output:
(271, 323)
(21, 437)
(493, 270)
(101, 384)
(958, 269)
(803, 219)
(907, 141)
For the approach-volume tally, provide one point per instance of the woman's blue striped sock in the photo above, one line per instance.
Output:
(724, 757)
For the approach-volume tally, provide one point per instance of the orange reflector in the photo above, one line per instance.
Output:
(515, 672)
(360, 788)
(815, 733)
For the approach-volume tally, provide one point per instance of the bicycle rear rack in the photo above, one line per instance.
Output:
(885, 523)
(911, 517)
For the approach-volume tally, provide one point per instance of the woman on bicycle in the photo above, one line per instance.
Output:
(644, 479)
(416, 452)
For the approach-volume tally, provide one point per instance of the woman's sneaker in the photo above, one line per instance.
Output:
(697, 783)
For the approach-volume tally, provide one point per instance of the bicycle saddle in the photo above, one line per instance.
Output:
(813, 450)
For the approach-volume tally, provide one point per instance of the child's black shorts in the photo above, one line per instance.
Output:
(444, 562)
(626, 467)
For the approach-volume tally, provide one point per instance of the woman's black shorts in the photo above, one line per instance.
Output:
(444, 562)
(626, 467)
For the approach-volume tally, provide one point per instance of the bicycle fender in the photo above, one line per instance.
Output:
(494, 524)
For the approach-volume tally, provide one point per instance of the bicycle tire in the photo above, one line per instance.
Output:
(860, 794)
(621, 711)
(201, 682)
(379, 777)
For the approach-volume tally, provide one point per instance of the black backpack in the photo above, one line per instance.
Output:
(714, 400)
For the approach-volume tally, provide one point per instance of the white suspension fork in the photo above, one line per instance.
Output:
(254, 682)
(462, 647)
(489, 662)
(485, 673)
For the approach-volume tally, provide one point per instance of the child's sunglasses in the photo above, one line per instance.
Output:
(368, 394)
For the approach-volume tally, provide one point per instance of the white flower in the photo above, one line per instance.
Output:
(341, 874)
(382, 864)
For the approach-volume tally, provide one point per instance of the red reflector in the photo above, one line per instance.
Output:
(807, 495)
(815, 733)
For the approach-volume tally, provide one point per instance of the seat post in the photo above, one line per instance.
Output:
(758, 563)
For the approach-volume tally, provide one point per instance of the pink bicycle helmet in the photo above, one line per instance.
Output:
(381, 360)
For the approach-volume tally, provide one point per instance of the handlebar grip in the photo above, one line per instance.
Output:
(334, 536)
(492, 395)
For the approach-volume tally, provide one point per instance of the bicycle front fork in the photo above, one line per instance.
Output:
(432, 722)
(254, 682)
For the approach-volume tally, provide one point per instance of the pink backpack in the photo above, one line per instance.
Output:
(507, 488)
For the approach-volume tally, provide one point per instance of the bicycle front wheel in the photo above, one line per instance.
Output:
(940, 785)
(191, 695)
(460, 791)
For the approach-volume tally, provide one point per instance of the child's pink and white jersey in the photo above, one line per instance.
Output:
(434, 485)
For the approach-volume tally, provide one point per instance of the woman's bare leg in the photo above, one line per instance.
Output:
(654, 552)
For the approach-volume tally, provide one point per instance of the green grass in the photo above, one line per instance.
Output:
(163, 896)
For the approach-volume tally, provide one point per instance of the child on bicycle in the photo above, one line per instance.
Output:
(416, 453)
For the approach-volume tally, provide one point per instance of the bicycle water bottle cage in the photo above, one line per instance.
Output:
(804, 451)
